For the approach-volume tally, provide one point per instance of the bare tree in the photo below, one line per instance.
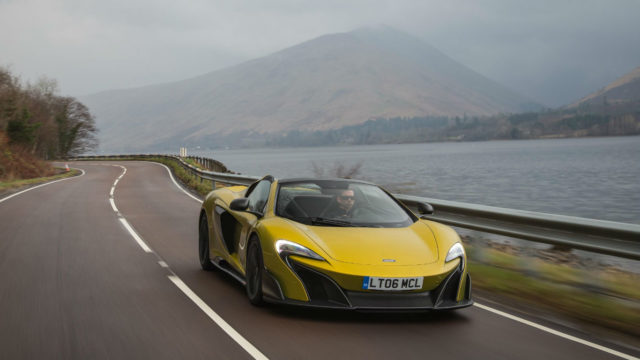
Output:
(45, 124)
(339, 170)
(318, 170)
(9, 91)
(40, 99)
(76, 127)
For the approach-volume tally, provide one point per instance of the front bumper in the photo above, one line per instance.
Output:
(324, 292)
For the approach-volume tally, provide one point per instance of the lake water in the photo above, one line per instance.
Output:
(589, 177)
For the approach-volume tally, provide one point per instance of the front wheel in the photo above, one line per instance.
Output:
(203, 243)
(254, 272)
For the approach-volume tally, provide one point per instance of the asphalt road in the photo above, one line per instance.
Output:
(74, 284)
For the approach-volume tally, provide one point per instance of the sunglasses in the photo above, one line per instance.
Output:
(352, 198)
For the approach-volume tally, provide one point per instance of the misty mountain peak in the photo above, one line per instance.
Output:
(327, 82)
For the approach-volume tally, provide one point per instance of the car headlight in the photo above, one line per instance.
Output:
(456, 251)
(286, 248)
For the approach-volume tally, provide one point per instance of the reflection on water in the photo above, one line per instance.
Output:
(589, 177)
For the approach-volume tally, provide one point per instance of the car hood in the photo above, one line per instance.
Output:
(412, 245)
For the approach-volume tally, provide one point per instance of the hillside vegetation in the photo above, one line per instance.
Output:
(37, 125)
(624, 89)
(601, 120)
(16, 162)
(611, 111)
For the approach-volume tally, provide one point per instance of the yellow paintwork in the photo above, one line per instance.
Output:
(413, 245)
(448, 237)
(350, 253)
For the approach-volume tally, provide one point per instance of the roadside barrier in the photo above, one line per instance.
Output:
(598, 236)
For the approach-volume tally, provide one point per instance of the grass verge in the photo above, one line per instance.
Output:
(602, 296)
(194, 163)
(15, 185)
(201, 186)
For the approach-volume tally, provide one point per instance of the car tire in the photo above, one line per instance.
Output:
(255, 266)
(203, 243)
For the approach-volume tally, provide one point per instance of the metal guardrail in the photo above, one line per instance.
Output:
(214, 176)
(599, 236)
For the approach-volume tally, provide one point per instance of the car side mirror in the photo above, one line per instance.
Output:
(240, 204)
(425, 209)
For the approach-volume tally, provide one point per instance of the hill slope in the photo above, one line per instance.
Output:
(17, 162)
(325, 83)
(624, 89)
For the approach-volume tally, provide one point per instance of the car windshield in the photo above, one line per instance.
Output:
(340, 203)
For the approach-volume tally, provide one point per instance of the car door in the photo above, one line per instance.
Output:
(258, 195)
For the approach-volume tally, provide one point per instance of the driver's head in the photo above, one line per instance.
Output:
(346, 199)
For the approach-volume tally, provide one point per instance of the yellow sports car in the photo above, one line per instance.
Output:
(332, 243)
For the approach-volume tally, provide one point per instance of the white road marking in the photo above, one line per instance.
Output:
(135, 236)
(178, 185)
(124, 222)
(113, 205)
(556, 332)
(113, 188)
(246, 345)
(41, 185)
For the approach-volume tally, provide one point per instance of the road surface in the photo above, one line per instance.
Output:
(93, 270)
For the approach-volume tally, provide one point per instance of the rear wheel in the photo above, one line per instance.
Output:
(203, 243)
(254, 272)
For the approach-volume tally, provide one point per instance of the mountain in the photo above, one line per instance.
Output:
(325, 83)
(623, 90)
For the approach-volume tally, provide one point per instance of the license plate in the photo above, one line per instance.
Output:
(391, 284)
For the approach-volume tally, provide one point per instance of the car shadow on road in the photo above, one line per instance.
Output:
(362, 316)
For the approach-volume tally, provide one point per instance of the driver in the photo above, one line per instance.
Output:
(343, 208)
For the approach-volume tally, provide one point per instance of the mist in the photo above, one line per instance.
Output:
(552, 52)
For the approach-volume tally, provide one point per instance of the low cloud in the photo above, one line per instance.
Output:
(553, 52)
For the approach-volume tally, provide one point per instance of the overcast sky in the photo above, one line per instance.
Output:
(551, 51)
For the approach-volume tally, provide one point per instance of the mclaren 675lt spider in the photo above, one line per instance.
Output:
(332, 243)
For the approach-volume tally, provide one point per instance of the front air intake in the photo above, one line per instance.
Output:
(320, 288)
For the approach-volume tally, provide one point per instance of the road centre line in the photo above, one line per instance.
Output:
(135, 236)
(113, 205)
(41, 185)
(246, 345)
(222, 324)
(124, 222)
(556, 332)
